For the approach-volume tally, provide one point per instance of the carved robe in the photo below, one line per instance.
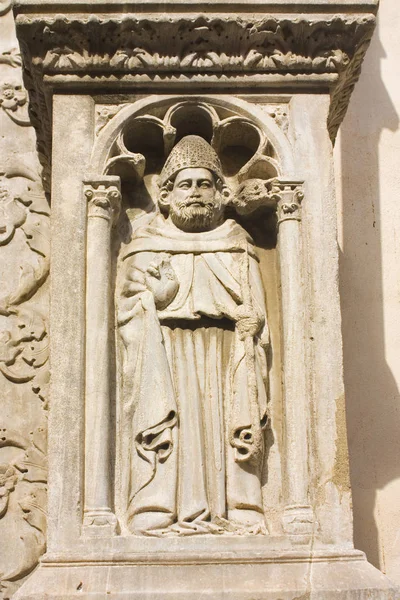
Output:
(190, 452)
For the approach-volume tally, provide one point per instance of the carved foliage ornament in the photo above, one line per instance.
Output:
(24, 341)
(13, 97)
(24, 478)
(194, 45)
(187, 48)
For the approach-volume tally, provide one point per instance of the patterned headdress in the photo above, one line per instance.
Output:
(191, 152)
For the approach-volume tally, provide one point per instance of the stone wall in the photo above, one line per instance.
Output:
(24, 268)
(367, 159)
(368, 182)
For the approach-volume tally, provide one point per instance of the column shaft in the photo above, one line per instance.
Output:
(298, 517)
(103, 197)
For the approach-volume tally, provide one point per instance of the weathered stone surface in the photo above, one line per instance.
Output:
(197, 438)
(271, 46)
(24, 339)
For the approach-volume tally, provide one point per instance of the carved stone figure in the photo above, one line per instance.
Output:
(192, 317)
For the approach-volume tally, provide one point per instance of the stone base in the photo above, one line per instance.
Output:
(273, 578)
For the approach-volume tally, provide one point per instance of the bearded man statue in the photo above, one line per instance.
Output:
(192, 321)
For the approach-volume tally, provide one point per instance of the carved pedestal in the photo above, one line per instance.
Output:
(266, 93)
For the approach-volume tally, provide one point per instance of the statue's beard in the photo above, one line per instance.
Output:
(192, 217)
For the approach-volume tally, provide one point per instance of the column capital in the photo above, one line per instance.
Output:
(104, 197)
(290, 194)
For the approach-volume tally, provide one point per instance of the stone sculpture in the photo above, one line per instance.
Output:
(161, 431)
(192, 317)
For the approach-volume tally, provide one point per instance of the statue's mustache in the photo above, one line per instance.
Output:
(197, 201)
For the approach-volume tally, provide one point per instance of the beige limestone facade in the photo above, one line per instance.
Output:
(183, 251)
(366, 154)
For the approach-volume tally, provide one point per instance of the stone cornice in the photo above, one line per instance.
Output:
(192, 44)
(132, 6)
(94, 49)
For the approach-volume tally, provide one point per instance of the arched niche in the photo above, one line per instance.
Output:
(135, 143)
(134, 146)
(168, 112)
(257, 160)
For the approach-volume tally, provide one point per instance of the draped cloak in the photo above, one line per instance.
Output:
(186, 406)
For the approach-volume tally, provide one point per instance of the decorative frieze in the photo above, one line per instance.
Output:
(205, 44)
(220, 49)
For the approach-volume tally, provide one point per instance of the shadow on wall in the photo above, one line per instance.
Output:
(372, 393)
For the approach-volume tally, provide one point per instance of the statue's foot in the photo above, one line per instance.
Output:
(246, 517)
(145, 521)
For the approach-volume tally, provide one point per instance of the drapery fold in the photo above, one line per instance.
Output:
(187, 412)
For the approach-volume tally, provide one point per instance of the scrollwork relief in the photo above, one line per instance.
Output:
(24, 340)
(13, 96)
(23, 500)
(11, 57)
(24, 362)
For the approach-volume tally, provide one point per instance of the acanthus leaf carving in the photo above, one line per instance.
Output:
(11, 57)
(272, 44)
(8, 481)
(24, 341)
(30, 507)
(103, 200)
(190, 48)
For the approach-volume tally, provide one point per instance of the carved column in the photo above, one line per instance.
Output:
(103, 196)
(298, 517)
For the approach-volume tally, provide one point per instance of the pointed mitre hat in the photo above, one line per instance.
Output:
(191, 152)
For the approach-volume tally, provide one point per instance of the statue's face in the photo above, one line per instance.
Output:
(194, 203)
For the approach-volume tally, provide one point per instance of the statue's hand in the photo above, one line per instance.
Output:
(161, 280)
(248, 322)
